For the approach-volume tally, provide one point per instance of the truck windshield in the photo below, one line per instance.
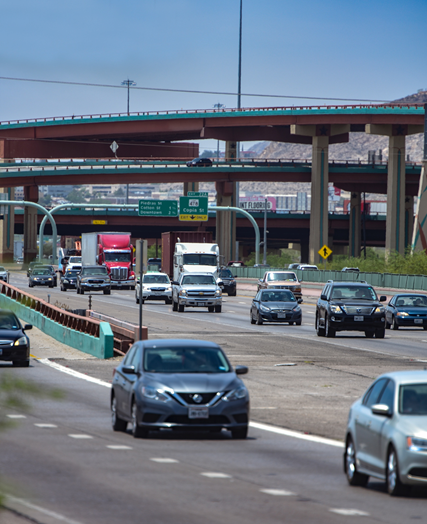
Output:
(199, 259)
(117, 257)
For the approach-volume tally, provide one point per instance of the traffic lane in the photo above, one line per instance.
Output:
(76, 476)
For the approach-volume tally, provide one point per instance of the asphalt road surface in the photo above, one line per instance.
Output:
(63, 463)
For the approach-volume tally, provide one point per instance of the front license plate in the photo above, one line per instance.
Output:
(418, 321)
(198, 412)
(281, 315)
(202, 304)
(358, 319)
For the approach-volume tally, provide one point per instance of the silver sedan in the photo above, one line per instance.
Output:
(387, 433)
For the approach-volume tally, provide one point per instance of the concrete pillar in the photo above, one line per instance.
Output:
(31, 194)
(7, 227)
(409, 220)
(226, 220)
(190, 186)
(354, 232)
(419, 234)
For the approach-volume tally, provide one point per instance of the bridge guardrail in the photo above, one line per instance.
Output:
(384, 280)
(83, 333)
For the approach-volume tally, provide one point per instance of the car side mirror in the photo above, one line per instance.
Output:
(383, 298)
(129, 370)
(260, 280)
(381, 409)
(241, 370)
(220, 283)
(299, 301)
(323, 297)
(28, 326)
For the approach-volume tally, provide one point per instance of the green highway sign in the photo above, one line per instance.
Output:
(197, 194)
(193, 208)
(158, 208)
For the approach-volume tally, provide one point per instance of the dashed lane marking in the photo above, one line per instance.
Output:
(46, 425)
(277, 492)
(214, 475)
(118, 446)
(80, 436)
(350, 512)
(16, 416)
(164, 460)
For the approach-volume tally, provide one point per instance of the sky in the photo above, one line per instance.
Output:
(184, 54)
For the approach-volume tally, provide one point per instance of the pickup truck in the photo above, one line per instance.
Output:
(197, 290)
(93, 278)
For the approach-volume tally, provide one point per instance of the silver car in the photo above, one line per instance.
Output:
(387, 433)
(155, 286)
(4, 274)
(179, 384)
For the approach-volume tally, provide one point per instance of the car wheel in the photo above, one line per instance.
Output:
(174, 306)
(30, 285)
(218, 309)
(394, 324)
(137, 299)
(369, 334)
(298, 322)
(137, 431)
(252, 318)
(232, 293)
(394, 485)
(329, 331)
(387, 325)
(380, 333)
(240, 433)
(21, 363)
(63, 288)
(319, 330)
(291, 323)
(107, 291)
(354, 478)
(117, 423)
(82, 291)
(211, 309)
(259, 320)
(180, 308)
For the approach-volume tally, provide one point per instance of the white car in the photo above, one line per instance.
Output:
(307, 267)
(155, 286)
(74, 263)
(4, 274)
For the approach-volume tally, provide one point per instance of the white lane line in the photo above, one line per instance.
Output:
(244, 303)
(44, 511)
(296, 434)
(81, 436)
(350, 512)
(16, 416)
(118, 446)
(76, 374)
(277, 492)
(263, 407)
(214, 475)
(46, 425)
(164, 460)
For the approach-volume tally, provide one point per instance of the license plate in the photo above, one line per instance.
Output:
(198, 412)
(281, 315)
(157, 292)
(358, 319)
(418, 321)
(202, 304)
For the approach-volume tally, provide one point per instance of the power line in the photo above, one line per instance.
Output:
(190, 91)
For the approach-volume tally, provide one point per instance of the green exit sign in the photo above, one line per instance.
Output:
(158, 208)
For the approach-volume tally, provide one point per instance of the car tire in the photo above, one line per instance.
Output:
(259, 320)
(137, 431)
(218, 309)
(168, 301)
(136, 299)
(180, 308)
(21, 363)
(369, 334)
(107, 291)
(211, 309)
(82, 291)
(394, 324)
(174, 306)
(232, 294)
(30, 285)
(319, 330)
(394, 484)
(298, 322)
(354, 478)
(117, 423)
(240, 433)
(329, 331)
(252, 319)
(380, 333)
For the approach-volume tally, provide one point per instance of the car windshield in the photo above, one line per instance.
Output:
(75, 260)
(411, 301)
(2, 268)
(198, 279)
(353, 293)
(199, 259)
(281, 276)
(413, 399)
(94, 271)
(117, 257)
(8, 321)
(225, 273)
(41, 272)
(72, 273)
(185, 360)
(277, 296)
(155, 279)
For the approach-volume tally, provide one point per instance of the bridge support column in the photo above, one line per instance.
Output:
(31, 194)
(190, 186)
(7, 228)
(409, 220)
(419, 235)
(355, 226)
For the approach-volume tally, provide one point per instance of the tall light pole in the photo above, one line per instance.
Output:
(218, 106)
(129, 84)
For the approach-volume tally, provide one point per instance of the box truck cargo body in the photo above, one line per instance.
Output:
(169, 240)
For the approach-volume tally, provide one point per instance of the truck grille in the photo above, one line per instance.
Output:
(355, 310)
(201, 294)
(119, 273)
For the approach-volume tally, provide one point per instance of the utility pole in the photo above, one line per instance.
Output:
(129, 84)
(264, 257)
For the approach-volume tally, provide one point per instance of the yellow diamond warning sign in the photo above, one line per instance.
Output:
(324, 252)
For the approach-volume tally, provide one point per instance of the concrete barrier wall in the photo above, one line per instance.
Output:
(101, 347)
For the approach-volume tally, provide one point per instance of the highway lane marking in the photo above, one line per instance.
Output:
(118, 446)
(350, 512)
(164, 460)
(16, 416)
(214, 475)
(80, 436)
(46, 425)
(44, 511)
(73, 373)
(277, 492)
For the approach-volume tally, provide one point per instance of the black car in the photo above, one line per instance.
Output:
(179, 384)
(350, 306)
(14, 343)
(406, 309)
(41, 277)
(229, 282)
(276, 305)
(51, 270)
(69, 279)
(157, 262)
(200, 162)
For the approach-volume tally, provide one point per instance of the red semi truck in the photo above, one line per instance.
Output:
(113, 250)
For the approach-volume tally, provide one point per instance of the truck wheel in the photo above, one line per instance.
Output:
(211, 309)
(107, 291)
(82, 291)
(174, 306)
(218, 309)
(180, 308)
(137, 298)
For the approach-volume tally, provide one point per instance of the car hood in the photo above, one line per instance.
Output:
(279, 305)
(356, 303)
(199, 287)
(10, 335)
(156, 285)
(414, 425)
(193, 382)
(413, 310)
(283, 283)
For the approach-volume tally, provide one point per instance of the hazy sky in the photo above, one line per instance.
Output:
(336, 49)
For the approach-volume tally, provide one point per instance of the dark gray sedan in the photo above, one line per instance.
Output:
(41, 277)
(179, 384)
(406, 309)
(275, 306)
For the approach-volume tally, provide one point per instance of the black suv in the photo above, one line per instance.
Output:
(200, 162)
(229, 281)
(350, 306)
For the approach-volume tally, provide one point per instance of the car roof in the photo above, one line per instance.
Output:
(351, 284)
(409, 295)
(199, 273)
(156, 273)
(177, 342)
(412, 376)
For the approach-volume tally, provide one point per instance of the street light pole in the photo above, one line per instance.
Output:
(264, 258)
(128, 83)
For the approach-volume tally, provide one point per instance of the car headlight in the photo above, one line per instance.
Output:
(183, 293)
(336, 309)
(265, 309)
(84, 280)
(416, 444)
(66, 281)
(21, 342)
(154, 394)
(297, 309)
(399, 313)
(169, 288)
(218, 293)
(50, 278)
(235, 394)
(132, 277)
